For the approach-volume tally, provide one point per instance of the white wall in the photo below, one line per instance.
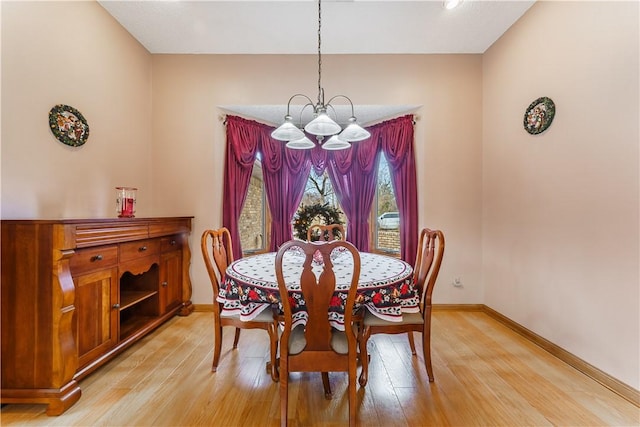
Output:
(560, 209)
(72, 53)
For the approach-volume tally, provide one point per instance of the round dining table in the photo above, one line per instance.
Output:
(385, 286)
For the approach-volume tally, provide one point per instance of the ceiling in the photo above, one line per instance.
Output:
(291, 27)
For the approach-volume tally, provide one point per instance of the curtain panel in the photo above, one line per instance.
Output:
(396, 141)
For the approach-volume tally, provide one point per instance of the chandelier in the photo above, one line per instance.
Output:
(322, 126)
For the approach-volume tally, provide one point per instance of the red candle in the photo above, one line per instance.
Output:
(127, 207)
(126, 202)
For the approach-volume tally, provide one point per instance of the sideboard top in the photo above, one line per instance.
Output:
(83, 233)
(96, 220)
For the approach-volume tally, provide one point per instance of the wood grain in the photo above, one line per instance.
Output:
(486, 374)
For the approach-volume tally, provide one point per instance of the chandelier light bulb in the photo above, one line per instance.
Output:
(287, 131)
(354, 132)
(303, 143)
(336, 143)
(322, 125)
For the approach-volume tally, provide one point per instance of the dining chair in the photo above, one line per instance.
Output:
(326, 232)
(428, 261)
(316, 346)
(217, 251)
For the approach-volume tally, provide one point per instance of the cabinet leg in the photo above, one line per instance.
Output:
(58, 405)
(187, 309)
(57, 400)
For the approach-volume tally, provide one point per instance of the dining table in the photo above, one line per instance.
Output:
(385, 286)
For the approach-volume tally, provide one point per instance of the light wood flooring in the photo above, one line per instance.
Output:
(485, 375)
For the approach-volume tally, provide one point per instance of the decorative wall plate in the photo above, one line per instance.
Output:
(68, 125)
(539, 115)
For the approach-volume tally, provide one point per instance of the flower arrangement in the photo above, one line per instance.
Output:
(308, 215)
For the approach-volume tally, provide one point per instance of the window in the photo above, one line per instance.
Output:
(253, 217)
(386, 226)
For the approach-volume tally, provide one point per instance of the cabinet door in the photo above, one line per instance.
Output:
(96, 316)
(170, 280)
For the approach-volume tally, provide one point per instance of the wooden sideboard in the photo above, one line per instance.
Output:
(75, 293)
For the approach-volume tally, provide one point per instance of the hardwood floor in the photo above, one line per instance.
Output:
(485, 375)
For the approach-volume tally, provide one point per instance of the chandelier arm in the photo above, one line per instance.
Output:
(298, 94)
(335, 113)
(345, 97)
(308, 104)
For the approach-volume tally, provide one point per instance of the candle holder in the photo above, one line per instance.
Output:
(126, 201)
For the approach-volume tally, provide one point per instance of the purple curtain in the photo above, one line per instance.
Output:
(354, 175)
(242, 148)
(396, 137)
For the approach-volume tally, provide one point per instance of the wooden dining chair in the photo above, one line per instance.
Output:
(428, 261)
(325, 232)
(316, 346)
(218, 254)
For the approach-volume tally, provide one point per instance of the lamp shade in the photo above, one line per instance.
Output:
(287, 131)
(322, 125)
(303, 143)
(354, 132)
(335, 143)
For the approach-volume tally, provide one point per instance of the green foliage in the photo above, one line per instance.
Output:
(315, 214)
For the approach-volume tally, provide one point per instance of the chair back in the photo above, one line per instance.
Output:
(217, 251)
(318, 295)
(428, 261)
(325, 232)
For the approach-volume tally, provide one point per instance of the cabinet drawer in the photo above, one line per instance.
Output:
(93, 259)
(139, 249)
(171, 243)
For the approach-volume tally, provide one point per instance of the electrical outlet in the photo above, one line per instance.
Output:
(457, 282)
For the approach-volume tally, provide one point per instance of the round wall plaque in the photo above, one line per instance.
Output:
(68, 125)
(539, 115)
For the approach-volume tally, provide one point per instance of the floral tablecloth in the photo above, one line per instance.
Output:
(385, 287)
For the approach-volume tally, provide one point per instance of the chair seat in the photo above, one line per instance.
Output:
(297, 341)
(265, 315)
(407, 319)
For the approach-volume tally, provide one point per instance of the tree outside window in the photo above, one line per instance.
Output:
(386, 224)
(319, 205)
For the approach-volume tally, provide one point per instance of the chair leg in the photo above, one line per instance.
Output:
(426, 350)
(412, 344)
(217, 345)
(284, 396)
(326, 385)
(364, 356)
(236, 338)
(352, 392)
(273, 337)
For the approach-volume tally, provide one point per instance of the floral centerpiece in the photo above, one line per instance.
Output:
(317, 213)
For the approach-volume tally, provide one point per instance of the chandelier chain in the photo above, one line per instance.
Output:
(320, 94)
